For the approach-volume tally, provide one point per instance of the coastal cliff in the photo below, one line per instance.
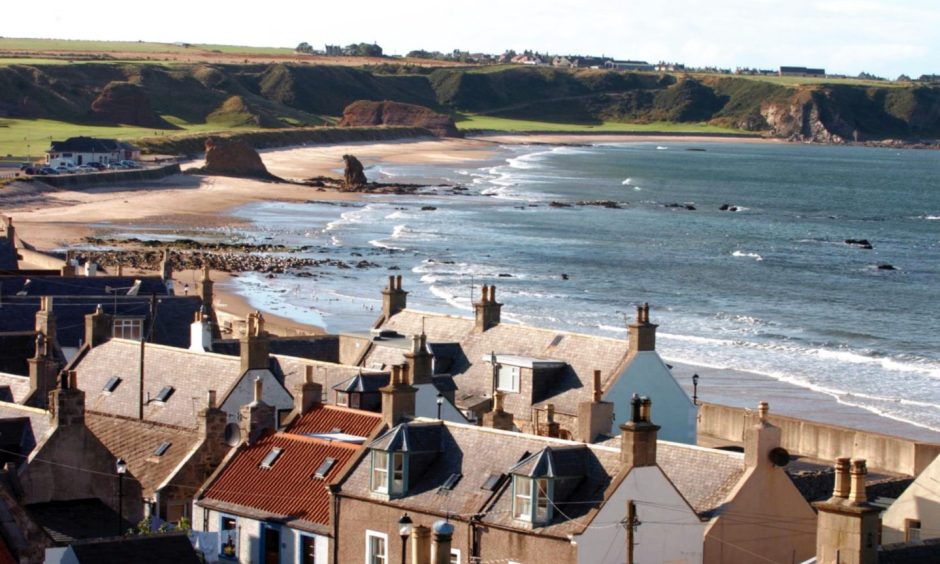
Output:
(286, 96)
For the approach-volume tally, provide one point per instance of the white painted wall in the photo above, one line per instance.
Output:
(272, 393)
(426, 405)
(647, 375)
(670, 531)
(63, 555)
(250, 535)
(919, 502)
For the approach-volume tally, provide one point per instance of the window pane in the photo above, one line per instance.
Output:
(541, 500)
(228, 537)
(398, 473)
(376, 550)
(308, 548)
(523, 498)
(508, 379)
(379, 471)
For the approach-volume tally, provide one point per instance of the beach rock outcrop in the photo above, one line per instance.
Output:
(126, 103)
(234, 157)
(860, 243)
(354, 177)
(368, 113)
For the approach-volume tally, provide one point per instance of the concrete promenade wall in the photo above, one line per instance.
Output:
(111, 176)
(822, 441)
(40, 260)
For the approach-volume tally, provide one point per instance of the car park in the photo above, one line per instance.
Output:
(97, 165)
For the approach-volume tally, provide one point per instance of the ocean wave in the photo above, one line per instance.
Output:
(746, 254)
(627, 181)
(930, 217)
(661, 148)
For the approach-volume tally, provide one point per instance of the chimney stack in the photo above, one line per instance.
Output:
(46, 319)
(638, 436)
(760, 439)
(594, 417)
(394, 299)
(642, 332)
(200, 333)
(257, 417)
(487, 310)
(91, 269)
(67, 402)
(43, 372)
(498, 418)
(212, 421)
(419, 360)
(254, 344)
(308, 394)
(98, 327)
(398, 398)
(420, 545)
(847, 526)
(441, 537)
(553, 429)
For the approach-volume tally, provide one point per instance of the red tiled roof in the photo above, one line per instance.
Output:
(287, 488)
(327, 418)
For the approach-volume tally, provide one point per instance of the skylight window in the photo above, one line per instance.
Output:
(111, 384)
(271, 457)
(324, 468)
(450, 483)
(160, 450)
(492, 482)
(164, 394)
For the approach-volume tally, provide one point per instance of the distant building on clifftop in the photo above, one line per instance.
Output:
(801, 71)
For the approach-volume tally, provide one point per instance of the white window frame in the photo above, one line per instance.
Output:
(510, 372)
(522, 500)
(121, 326)
(379, 485)
(372, 558)
(455, 552)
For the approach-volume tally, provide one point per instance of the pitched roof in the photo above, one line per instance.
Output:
(323, 348)
(28, 436)
(926, 551)
(68, 521)
(191, 374)
(13, 387)
(288, 488)
(568, 386)
(136, 442)
(86, 145)
(291, 371)
(460, 447)
(174, 314)
(150, 549)
(329, 418)
(15, 350)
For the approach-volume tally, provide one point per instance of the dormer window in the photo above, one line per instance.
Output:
(532, 499)
(128, 328)
(389, 472)
(508, 379)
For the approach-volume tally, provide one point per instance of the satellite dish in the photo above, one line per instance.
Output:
(779, 457)
(233, 434)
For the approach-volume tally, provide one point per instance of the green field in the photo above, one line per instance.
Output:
(503, 124)
(83, 45)
(32, 137)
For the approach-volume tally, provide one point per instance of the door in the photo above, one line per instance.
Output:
(272, 545)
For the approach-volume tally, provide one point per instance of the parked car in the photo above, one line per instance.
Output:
(116, 166)
(62, 169)
(29, 170)
(131, 164)
(85, 169)
(47, 170)
(97, 165)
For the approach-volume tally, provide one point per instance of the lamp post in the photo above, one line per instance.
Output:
(695, 389)
(404, 529)
(121, 468)
(440, 402)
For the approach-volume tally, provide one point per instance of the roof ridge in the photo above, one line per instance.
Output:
(170, 348)
(21, 407)
(140, 421)
(519, 325)
(550, 441)
(313, 440)
(350, 410)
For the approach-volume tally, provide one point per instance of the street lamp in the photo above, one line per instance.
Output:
(695, 389)
(440, 402)
(121, 468)
(404, 529)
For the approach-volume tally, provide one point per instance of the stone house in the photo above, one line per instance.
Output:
(83, 150)
(271, 500)
(915, 514)
(539, 371)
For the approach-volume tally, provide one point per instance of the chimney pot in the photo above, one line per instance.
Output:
(73, 383)
(259, 383)
(858, 495)
(597, 392)
(210, 399)
(841, 489)
(635, 411)
(762, 409)
(308, 374)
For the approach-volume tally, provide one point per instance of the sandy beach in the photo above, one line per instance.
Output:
(54, 219)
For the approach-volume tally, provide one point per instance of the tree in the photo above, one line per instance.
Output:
(304, 47)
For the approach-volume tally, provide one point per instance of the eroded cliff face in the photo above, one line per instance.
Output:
(368, 113)
(126, 103)
(802, 119)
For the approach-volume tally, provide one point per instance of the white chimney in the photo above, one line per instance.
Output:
(200, 334)
(91, 269)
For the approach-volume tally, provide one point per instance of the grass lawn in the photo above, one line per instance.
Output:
(78, 45)
(504, 124)
(32, 137)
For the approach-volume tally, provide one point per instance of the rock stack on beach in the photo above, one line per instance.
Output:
(234, 157)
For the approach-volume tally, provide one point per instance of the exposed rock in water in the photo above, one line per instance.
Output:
(234, 157)
(428, 208)
(354, 177)
(728, 207)
(886, 267)
(689, 207)
(368, 113)
(860, 243)
(127, 103)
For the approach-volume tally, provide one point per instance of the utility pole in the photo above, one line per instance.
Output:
(630, 524)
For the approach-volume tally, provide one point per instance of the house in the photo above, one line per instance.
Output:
(566, 62)
(533, 498)
(915, 514)
(271, 500)
(77, 151)
(628, 65)
(163, 384)
(801, 71)
(539, 371)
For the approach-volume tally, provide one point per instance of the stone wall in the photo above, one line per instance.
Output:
(823, 441)
(111, 177)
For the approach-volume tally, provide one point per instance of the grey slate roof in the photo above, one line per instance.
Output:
(13, 388)
(919, 552)
(15, 350)
(459, 452)
(80, 285)
(569, 386)
(323, 348)
(83, 144)
(291, 370)
(153, 549)
(192, 375)
(68, 521)
(28, 436)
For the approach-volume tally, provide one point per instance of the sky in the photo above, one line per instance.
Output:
(882, 37)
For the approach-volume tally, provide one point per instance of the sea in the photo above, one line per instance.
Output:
(739, 249)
